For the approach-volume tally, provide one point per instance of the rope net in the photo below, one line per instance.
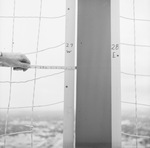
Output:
(37, 29)
(135, 46)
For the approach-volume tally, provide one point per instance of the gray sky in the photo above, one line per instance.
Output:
(142, 37)
(52, 33)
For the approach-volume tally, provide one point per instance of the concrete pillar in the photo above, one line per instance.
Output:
(98, 110)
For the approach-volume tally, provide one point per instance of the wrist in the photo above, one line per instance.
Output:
(1, 54)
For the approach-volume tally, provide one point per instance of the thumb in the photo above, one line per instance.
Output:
(25, 61)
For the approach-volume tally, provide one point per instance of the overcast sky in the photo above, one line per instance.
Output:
(52, 33)
(140, 34)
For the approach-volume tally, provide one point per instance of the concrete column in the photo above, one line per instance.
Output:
(98, 75)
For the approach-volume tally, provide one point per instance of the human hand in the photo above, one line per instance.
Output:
(16, 60)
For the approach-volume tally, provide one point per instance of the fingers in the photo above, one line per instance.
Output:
(17, 68)
(16, 60)
(22, 66)
(24, 63)
(25, 60)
